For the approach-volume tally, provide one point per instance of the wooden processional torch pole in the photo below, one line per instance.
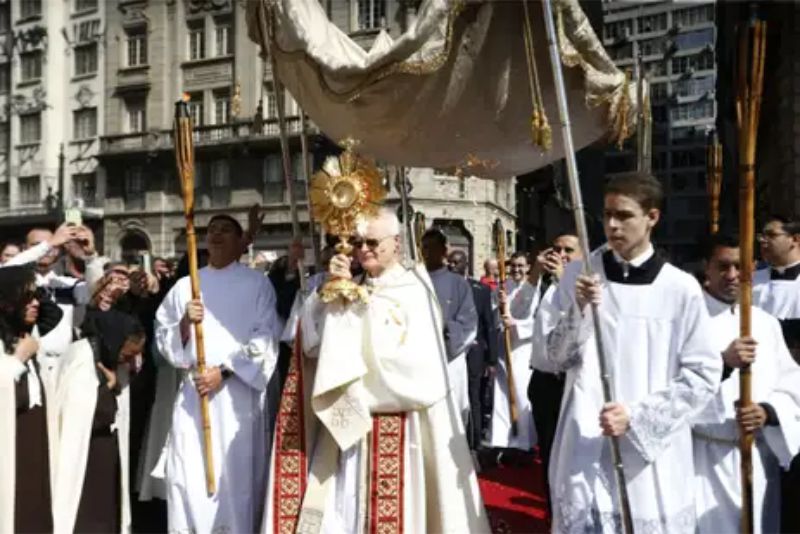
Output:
(500, 244)
(583, 237)
(750, 60)
(184, 157)
(714, 182)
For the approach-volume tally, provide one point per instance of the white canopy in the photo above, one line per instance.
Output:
(452, 87)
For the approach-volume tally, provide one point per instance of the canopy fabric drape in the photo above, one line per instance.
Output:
(452, 91)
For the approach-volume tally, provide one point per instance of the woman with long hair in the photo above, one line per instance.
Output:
(25, 491)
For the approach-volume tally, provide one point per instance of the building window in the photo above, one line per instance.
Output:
(223, 38)
(84, 187)
(197, 41)
(619, 52)
(5, 198)
(371, 14)
(619, 29)
(696, 39)
(30, 193)
(84, 123)
(30, 126)
(222, 107)
(693, 15)
(272, 100)
(85, 5)
(4, 137)
(650, 47)
(31, 65)
(273, 180)
(196, 108)
(30, 8)
(136, 119)
(653, 23)
(5, 23)
(134, 187)
(5, 77)
(696, 86)
(86, 59)
(693, 111)
(136, 47)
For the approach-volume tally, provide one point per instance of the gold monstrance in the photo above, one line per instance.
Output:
(343, 194)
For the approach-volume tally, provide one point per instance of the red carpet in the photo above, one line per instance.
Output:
(514, 497)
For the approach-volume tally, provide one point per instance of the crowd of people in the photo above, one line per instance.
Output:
(333, 409)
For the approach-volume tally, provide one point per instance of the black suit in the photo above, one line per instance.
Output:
(481, 354)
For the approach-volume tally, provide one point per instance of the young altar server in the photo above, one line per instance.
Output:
(517, 303)
(237, 311)
(776, 290)
(774, 414)
(458, 314)
(368, 438)
(664, 369)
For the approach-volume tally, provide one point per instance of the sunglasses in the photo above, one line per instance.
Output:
(372, 243)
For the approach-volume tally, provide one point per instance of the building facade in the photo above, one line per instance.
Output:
(158, 50)
(676, 41)
(51, 103)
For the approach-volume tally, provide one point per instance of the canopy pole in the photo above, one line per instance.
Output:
(583, 237)
(277, 86)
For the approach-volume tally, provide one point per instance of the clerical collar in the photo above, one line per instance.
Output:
(386, 275)
(716, 306)
(641, 270)
(790, 272)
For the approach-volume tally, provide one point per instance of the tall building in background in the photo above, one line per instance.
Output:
(676, 41)
(51, 96)
(778, 156)
(158, 50)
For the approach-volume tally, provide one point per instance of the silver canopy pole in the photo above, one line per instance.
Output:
(583, 236)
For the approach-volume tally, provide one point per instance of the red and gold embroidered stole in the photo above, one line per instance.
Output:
(385, 513)
(291, 461)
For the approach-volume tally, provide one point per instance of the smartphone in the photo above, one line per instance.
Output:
(73, 216)
(147, 263)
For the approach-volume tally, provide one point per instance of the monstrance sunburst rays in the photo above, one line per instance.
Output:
(346, 192)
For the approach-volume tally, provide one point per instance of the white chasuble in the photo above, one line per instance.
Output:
(382, 418)
(780, 297)
(664, 369)
(523, 299)
(240, 328)
(775, 382)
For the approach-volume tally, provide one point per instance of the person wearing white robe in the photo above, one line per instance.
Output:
(237, 310)
(776, 290)
(774, 416)
(517, 303)
(458, 314)
(383, 357)
(663, 366)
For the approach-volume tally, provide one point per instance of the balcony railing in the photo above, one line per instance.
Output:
(203, 136)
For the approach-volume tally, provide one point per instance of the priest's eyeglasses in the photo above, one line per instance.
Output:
(372, 243)
(769, 236)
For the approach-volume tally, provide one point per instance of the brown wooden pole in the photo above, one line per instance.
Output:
(500, 241)
(184, 158)
(714, 183)
(752, 50)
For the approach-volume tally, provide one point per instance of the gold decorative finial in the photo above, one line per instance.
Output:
(344, 193)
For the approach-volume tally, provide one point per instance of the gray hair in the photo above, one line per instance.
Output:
(389, 217)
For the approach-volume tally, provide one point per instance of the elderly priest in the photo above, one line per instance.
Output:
(389, 451)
